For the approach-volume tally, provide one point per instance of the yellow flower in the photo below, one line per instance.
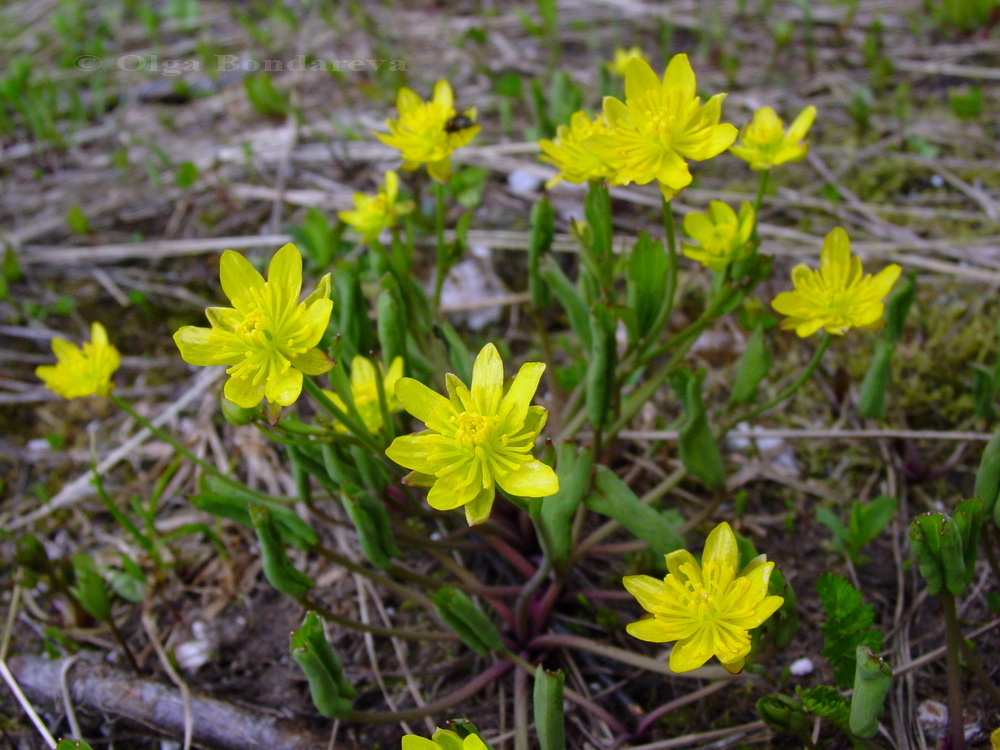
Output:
(660, 124)
(373, 213)
(765, 144)
(428, 132)
(267, 338)
(444, 739)
(707, 608)
(576, 161)
(721, 236)
(620, 61)
(475, 439)
(838, 296)
(82, 372)
(364, 391)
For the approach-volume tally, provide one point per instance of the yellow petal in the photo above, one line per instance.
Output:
(836, 252)
(284, 388)
(531, 479)
(487, 380)
(451, 491)
(443, 94)
(653, 594)
(413, 742)
(243, 393)
(421, 401)
(720, 547)
(240, 280)
(684, 656)
(736, 665)
(515, 403)
(285, 271)
(640, 80)
(208, 346)
(676, 560)
(477, 510)
(801, 124)
(313, 362)
(680, 75)
(650, 630)
(418, 452)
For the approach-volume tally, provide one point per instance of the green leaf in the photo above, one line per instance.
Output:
(872, 680)
(278, 569)
(548, 700)
(89, 589)
(696, 445)
(187, 174)
(371, 521)
(848, 625)
(984, 393)
(228, 500)
(331, 693)
(871, 401)
(784, 714)
(461, 614)
(555, 514)
(539, 244)
(264, 96)
(754, 366)
(824, 701)
(600, 382)
(988, 474)
(77, 221)
(569, 298)
(612, 497)
(645, 282)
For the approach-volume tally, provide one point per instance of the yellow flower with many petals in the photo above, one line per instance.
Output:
(722, 237)
(577, 162)
(659, 125)
(838, 296)
(82, 372)
(364, 391)
(765, 144)
(619, 62)
(267, 338)
(444, 739)
(707, 608)
(428, 132)
(373, 213)
(475, 439)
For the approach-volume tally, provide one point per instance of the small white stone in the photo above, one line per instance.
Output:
(193, 655)
(523, 181)
(801, 667)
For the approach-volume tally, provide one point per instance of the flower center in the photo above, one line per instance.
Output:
(474, 429)
(721, 239)
(365, 394)
(253, 328)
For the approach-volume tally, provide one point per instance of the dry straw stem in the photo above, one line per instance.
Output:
(81, 487)
(97, 688)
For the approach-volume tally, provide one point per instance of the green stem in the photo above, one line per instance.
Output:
(359, 430)
(166, 437)
(469, 689)
(790, 389)
(439, 229)
(953, 640)
(765, 178)
(346, 622)
(668, 228)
